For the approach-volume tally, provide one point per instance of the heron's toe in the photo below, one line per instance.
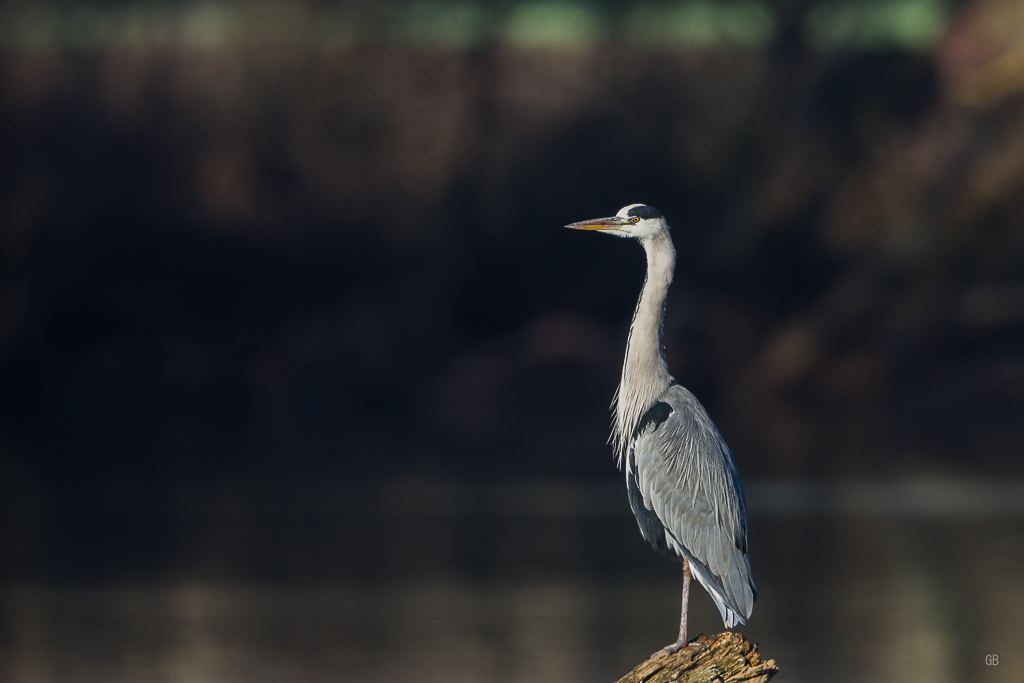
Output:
(670, 650)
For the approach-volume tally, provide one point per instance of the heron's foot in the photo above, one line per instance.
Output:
(677, 646)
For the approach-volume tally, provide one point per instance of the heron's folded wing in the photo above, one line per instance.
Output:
(686, 475)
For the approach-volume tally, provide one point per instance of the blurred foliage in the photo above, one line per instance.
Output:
(912, 24)
(303, 240)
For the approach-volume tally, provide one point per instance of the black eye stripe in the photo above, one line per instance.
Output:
(644, 211)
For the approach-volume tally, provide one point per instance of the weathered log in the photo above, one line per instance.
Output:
(724, 658)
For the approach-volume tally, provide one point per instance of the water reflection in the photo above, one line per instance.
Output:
(450, 587)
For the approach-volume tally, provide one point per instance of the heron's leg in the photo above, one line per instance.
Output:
(682, 641)
(686, 602)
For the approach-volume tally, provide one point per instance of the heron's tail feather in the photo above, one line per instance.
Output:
(734, 611)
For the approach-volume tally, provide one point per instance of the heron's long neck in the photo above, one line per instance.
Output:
(644, 371)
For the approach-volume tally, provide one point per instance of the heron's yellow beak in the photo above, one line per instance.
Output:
(611, 223)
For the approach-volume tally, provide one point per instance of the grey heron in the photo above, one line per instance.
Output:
(681, 479)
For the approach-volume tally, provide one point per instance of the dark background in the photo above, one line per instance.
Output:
(247, 263)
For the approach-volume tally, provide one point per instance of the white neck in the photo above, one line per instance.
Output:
(644, 371)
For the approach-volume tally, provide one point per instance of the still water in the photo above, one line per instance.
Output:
(538, 581)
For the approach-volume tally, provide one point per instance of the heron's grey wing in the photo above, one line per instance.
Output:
(686, 475)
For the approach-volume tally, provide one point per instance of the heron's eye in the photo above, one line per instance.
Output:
(636, 219)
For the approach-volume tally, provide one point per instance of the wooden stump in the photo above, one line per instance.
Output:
(725, 658)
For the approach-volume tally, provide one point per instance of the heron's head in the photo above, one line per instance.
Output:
(636, 220)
